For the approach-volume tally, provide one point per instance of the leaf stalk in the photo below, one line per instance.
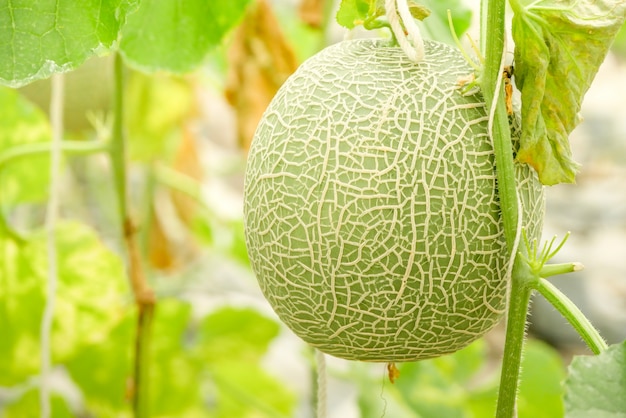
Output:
(574, 316)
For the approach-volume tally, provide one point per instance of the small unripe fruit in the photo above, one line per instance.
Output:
(371, 207)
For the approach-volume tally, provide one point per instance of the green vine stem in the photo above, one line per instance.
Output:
(144, 296)
(570, 311)
(521, 277)
(67, 147)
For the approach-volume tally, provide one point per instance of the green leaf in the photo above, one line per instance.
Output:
(40, 38)
(89, 303)
(23, 123)
(596, 385)
(559, 48)
(352, 13)
(176, 36)
(101, 370)
(231, 333)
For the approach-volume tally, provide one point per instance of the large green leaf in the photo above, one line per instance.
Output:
(41, 37)
(559, 48)
(22, 123)
(89, 301)
(176, 35)
(596, 385)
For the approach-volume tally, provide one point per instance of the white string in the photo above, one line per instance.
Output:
(320, 360)
(412, 44)
(52, 211)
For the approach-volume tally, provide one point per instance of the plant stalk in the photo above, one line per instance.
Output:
(570, 311)
(520, 290)
(144, 296)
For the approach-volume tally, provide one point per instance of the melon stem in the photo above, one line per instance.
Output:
(520, 290)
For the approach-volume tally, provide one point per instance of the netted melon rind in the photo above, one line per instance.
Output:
(371, 209)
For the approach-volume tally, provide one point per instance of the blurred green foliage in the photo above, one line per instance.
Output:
(22, 124)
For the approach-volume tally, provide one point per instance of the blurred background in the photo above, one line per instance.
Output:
(217, 349)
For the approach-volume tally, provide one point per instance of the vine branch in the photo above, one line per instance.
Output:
(144, 296)
(570, 311)
(492, 28)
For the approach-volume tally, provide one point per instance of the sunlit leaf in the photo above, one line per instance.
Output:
(559, 48)
(352, 13)
(176, 36)
(101, 370)
(231, 333)
(38, 38)
(596, 385)
(24, 180)
(89, 302)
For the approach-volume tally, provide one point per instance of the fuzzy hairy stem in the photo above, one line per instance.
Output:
(519, 289)
(574, 316)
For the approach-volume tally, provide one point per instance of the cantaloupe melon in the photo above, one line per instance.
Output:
(371, 210)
